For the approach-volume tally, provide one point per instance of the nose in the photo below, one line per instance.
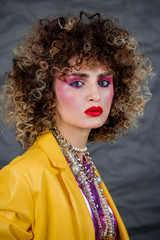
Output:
(93, 94)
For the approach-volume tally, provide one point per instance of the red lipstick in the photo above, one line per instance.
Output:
(94, 111)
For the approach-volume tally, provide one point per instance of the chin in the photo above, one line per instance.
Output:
(96, 125)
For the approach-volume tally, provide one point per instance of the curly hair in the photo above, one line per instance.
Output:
(45, 52)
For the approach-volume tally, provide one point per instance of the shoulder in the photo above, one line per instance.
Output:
(35, 159)
(44, 147)
(31, 158)
(44, 156)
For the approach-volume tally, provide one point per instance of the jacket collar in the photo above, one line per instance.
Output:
(50, 146)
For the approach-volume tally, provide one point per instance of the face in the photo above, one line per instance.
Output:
(84, 99)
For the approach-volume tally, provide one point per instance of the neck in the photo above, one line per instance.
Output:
(77, 137)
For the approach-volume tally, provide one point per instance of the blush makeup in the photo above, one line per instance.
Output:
(71, 79)
(83, 99)
(108, 78)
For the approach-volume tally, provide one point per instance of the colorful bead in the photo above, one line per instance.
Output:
(98, 179)
(75, 169)
(81, 174)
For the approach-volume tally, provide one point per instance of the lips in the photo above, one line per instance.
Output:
(94, 111)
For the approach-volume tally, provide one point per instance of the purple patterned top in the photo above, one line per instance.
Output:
(97, 202)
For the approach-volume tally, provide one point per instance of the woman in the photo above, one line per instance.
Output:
(72, 81)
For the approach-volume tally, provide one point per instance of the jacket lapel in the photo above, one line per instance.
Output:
(85, 227)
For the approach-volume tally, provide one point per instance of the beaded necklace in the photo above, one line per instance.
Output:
(106, 227)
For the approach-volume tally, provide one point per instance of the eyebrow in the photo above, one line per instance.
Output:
(87, 75)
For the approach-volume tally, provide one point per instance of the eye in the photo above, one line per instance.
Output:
(103, 83)
(76, 84)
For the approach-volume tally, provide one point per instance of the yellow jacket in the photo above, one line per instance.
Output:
(40, 198)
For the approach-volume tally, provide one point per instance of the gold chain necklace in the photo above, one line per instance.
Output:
(82, 176)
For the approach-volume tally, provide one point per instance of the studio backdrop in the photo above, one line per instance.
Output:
(130, 168)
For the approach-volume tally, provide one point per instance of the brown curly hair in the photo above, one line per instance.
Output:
(46, 51)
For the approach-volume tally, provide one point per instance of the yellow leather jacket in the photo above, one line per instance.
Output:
(40, 198)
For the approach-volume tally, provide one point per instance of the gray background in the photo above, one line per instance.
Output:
(131, 167)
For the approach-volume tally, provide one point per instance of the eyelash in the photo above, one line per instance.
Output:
(75, 84)
(102, 81)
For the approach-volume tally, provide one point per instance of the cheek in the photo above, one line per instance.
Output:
(63, 95)
(109, 97)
